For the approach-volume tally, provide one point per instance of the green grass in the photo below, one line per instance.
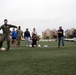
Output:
(39, 61)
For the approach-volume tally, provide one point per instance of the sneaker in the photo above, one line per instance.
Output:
(62, 47)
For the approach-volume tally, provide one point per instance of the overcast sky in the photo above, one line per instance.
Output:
(41, 14)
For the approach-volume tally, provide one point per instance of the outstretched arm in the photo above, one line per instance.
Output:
(13, 26)
(1, 27)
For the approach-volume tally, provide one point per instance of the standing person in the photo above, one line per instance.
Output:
(6, 33)
(60, 37)
(34, 32)
(34, 35)
(27, 37)
(74, 35)
(20, 34)
(14, 38)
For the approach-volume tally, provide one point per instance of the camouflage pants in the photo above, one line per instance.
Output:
(18, 41)
(3, 38)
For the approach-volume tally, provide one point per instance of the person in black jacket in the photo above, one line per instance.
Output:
(27, 37)
(60, 37)
(74, 35)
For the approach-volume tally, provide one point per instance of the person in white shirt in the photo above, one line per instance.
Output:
(34, 32)
(34, 35)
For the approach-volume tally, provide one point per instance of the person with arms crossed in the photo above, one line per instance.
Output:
(60, 37)
(6, 33)
(74, 35)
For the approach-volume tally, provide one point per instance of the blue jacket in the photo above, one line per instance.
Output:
(14, 34)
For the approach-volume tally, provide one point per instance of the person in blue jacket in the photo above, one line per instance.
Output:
(14, 38)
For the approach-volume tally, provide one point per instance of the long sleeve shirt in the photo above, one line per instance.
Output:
(26, 34)
(6, 28)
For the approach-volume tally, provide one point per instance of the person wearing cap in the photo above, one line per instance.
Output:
(27, 37)
(60, 36)
(20, 34)
(6, 33)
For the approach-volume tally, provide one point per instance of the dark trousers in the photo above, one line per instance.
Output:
(60, 39)
(34, 42)
(7, 37)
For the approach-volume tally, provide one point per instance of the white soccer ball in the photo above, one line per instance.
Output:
(30, 45)
(46, 46)
(39, 46)
(34, 45)
(3, 49)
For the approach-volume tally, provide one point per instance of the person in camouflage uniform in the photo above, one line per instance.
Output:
(6, 33)
(20, 34)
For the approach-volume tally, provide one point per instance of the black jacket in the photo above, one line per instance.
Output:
(26, 34)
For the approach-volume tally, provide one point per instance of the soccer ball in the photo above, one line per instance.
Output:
(34, 45)
(30, 45)
(3, 49)
(46, 46)
(39, 46)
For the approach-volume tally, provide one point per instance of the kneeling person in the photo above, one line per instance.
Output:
(34, 40)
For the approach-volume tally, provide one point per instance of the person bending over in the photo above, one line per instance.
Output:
(34, 40)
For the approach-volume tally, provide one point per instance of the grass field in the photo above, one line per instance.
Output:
(39, 61)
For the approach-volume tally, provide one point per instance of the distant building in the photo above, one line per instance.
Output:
(53, 33)
(49, 33)
(69, 32)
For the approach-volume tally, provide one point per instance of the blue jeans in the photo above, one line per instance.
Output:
(27, 39)
(60, 39)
